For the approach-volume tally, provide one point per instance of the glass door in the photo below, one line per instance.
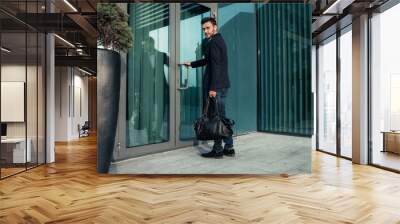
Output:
(162, 98)
(149, 91)
(189, 92)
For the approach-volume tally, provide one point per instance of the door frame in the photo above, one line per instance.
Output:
(178, 142)
(121, 151)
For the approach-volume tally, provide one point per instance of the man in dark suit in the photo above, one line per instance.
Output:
(215, 80)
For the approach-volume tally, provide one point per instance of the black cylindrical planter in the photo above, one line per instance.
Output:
(108, 89)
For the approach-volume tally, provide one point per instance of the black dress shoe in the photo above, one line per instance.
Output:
(213, 154)
(229, 151)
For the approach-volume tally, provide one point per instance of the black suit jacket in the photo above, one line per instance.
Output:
(216, 62)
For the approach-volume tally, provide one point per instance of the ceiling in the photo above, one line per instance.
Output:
(74, 22)
(332, 15)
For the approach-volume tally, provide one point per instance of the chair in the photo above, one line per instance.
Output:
(84, 130)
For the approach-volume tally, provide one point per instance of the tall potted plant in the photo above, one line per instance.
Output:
(115, 36)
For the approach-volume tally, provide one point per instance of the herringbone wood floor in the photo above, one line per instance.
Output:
(70, 191)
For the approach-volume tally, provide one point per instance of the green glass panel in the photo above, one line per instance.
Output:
(148, 75)
(191, 37)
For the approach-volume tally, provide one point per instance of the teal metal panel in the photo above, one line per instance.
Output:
(237, 24)
(285, 68)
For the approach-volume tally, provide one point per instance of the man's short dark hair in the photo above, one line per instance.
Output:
(209, 19)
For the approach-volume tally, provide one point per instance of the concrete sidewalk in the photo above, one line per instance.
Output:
(256, 153)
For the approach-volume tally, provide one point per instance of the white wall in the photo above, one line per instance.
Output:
(80, 94)
(71, 87)
(62, 81)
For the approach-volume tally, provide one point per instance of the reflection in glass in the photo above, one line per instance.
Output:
(15, 151)
(148, 75)
(23, 85)
(327, 96)
(31, 100)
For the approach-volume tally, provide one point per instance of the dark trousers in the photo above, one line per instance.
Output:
(221, 95)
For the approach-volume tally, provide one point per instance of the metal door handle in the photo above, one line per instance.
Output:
(186, 85)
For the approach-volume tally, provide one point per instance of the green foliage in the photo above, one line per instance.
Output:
(114, 30)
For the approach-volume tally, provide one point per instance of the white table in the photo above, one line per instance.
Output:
(19, 154)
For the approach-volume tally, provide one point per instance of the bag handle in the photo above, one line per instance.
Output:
(216, 106)
(208, 105)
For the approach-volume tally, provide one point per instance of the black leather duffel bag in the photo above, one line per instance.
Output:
(212, 126)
